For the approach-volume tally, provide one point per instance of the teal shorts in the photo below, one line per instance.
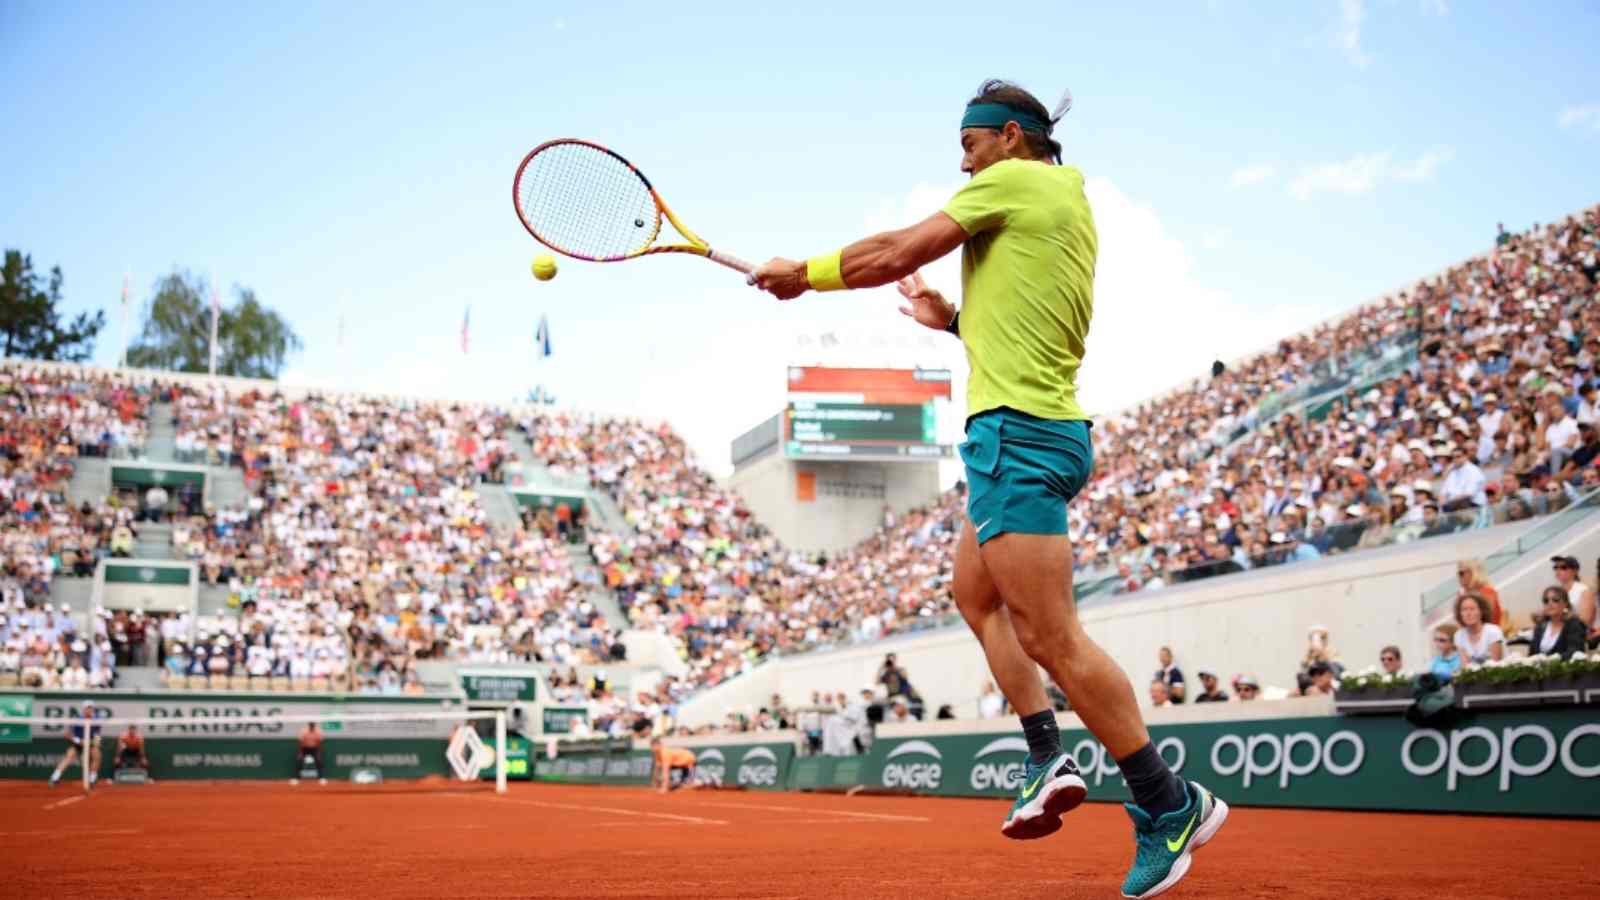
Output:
(1022, 471)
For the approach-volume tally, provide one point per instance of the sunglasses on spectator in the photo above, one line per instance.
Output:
(1441, 640)
(1387, 658)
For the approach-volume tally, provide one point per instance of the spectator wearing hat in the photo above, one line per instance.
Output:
(899, 712)
(1320, 677)
(1210, 692)
(1558, 633)
(1478, 639)
(1567, 572)
(1247, 688)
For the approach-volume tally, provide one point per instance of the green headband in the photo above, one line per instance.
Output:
(996, 115)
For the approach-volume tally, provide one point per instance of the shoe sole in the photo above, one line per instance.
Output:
(1207, 830)
(1061, 796)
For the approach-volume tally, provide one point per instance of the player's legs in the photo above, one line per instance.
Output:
(93, 757)
(1033, 572)
(67, 759)
(979, 601)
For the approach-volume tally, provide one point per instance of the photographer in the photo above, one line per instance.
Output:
(897, 684)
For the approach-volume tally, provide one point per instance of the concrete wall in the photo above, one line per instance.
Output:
(1250, 622)
(850, 497)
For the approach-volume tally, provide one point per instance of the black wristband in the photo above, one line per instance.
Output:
(955, 324)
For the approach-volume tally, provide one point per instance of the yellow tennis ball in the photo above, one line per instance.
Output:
(544, 267)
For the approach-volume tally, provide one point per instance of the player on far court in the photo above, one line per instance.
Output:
(673, 767)
(83, 740)
(1027, 278)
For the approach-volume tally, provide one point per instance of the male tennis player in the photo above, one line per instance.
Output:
(1027, 281)
(83, 739)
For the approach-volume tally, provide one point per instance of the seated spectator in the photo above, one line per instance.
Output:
(899, 712)
(1472, 578)
(1321, 680)
(1159, 695)
(1566, 570)
(1389, 657)
(991, 703)
(1558, 633)
(1319, 649)
(1170, 676)
(1464, 483)
(945, 712)
(1211, 692)
(1246, 687)
(1446, 660)
(1478, 639)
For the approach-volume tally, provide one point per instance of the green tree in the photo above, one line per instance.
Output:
(253, 341)
(30, 319)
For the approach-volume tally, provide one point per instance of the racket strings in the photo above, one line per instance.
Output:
(587, 203)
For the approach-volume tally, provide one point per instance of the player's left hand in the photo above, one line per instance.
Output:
(782, 278)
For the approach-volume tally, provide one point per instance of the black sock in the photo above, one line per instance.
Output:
(1155, 789)
(1044, 736)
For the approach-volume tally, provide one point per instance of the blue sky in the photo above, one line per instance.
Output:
(1253, 168)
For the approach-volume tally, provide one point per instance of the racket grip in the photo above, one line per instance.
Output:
(732, 262)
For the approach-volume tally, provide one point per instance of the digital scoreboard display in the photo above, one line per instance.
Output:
(837, 413)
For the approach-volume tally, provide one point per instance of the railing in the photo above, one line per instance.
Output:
(1567, 514)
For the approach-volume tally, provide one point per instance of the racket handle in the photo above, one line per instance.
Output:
(732, 262)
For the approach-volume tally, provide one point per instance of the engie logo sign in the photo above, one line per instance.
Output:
(709, 766)
(913, 764)
(758, 768)
(996, 765)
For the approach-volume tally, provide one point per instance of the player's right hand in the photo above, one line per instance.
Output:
(925, 304)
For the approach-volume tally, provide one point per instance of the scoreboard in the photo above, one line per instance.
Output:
(835, 413)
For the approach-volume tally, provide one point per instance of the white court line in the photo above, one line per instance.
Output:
(694, 820)
(827, 812)
(61, 832)
(60, 803)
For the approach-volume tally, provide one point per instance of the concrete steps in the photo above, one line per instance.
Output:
(161, 445)
(500, 506)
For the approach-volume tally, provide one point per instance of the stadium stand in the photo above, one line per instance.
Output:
(363, 544)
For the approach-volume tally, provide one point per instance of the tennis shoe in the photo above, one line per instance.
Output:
(1162, 845)
(1048, 791)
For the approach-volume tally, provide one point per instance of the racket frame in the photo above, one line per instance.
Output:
(694, 244)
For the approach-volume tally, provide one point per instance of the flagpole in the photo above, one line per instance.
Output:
(215, 309)
(122, 355)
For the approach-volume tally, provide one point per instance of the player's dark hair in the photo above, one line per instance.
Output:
(1040, 144)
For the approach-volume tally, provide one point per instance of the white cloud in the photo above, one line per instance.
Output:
(1245, 176)
(1362, 173)
(1586, 116)
(1436, 7)
(1347, 35)
(1215, 238)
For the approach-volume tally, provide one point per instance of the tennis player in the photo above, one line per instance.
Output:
(673, 768)
(83, 740)
(1027, 278)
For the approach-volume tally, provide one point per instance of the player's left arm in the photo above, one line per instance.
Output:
(877, 260)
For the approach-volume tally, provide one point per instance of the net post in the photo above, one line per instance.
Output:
(87, 753)
(500, 752)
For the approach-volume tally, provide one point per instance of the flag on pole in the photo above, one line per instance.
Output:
(466, 317)
(216, 312)
(122, 355)
(542, 337)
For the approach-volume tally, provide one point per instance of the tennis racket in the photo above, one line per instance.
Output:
(584, 201)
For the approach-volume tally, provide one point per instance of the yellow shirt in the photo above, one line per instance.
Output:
(1027, 284)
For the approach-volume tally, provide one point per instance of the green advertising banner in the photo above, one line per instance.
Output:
(619, 764)
(117, 573)
(149, 476)
(20, 705)
(758, 766)
(1540, 763)
(559, 719)
(519, 760)
(548, 499)
(499, 687)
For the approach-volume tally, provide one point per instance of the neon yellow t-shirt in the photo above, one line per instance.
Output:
(1027, 285)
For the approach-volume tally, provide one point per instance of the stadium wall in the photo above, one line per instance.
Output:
(1289, 753)
(1254, 622)
(843, 503)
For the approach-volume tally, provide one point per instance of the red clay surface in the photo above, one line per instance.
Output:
(209, 839)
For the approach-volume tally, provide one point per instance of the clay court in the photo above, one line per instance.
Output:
(208, 839)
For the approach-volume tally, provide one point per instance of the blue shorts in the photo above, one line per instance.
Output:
(1023, 470)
